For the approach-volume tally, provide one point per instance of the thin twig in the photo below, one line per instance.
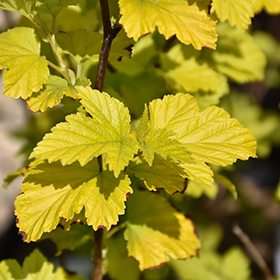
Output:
(256, 256)
(110, 32)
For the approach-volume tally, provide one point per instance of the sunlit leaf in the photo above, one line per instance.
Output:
(237, 12)
(153, 239)
(271, 6)
(50, 95)
(199, 172)
(34, 267)
(189, 22)
(211, 135)
(52, 191)
(26, 71)
(81, 138)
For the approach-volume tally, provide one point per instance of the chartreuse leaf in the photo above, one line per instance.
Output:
(53, 7)
(82, 138)
(238, 56)
(26, 71)
(51, 94)
(35, 267)
(191, 76)
(51, 191)
(19, 6)
(270, 6)
(152, 239)
(172, 181)
(232, 265)
(237, 12)
(211, 135)
(159, 141)
(189, 22)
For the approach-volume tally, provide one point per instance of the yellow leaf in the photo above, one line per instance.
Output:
(237, 12)
(189, 22)
(52, 191)
(270, 6)
(156, 232)
(26, 71)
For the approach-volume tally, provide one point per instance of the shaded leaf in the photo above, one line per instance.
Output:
(238, 56)
(70, 239)
(52, 191)
(189, 23)
(53, 7)
(81, 44)
(190, 76)
(35, 267)
(233, 265)
(172, 181)
(119, 265)
(26, 71)
(152, 239)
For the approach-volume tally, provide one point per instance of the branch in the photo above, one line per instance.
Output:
(97, 263)
(110, 32)
(253, 251)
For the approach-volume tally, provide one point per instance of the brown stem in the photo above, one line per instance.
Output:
(97, 263)
(256, 256)
(110, 32)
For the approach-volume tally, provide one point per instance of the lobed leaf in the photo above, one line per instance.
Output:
(35, 267)
(152, 239)
(271, 6)
(26, 71)
(189, 22)
(210, 136)
(237, 12)
(50, 95)
(52, 191)
(82, 138)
